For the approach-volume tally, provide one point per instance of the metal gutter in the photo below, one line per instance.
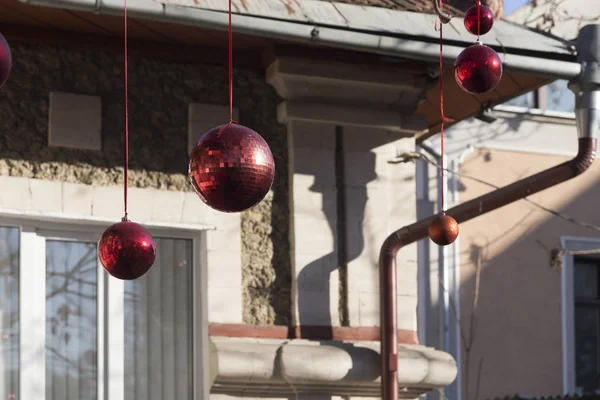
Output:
(314, 34)
(587, 90)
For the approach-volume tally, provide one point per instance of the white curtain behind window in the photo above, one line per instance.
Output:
(158, 326)
(9, 313)
(71, 320)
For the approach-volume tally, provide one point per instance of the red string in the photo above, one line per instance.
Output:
(442, 116)
(231, 121)
(478, 19)
(126, 101)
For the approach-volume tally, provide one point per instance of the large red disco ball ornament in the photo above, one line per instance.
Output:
(478, 69)
(127, 250)
(5, 60)
(231, 168)
(486, 16)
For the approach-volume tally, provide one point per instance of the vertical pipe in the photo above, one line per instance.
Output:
(424, 209)
(454, 324)
(443, 274)
(341, 228)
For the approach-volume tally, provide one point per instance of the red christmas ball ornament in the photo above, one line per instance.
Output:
(478, 69)
(231, 168)
(481, 19)
(443, 230)
(5, 60)
(127, 250)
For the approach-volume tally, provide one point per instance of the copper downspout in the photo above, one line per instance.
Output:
(462, 213)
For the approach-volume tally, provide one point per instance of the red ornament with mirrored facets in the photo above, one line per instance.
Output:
(478, 69)
(231, 168)
(127, 250)
(5, 60)
(476, 14)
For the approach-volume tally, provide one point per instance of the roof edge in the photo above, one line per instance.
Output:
(313, 34)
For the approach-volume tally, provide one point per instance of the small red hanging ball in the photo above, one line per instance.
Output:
(473, 15)
(231, 168)
(5, 60)
(443, 230)
(127, 250)
(478, 69)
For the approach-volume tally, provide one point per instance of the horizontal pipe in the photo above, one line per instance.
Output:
(376, 42)
(461, 213)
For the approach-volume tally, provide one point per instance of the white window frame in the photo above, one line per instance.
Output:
(33, 235)
(570, 243)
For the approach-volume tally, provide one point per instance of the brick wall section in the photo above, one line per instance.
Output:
(159, 97)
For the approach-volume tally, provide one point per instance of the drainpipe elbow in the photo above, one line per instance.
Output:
(392, 244)
(585, 156)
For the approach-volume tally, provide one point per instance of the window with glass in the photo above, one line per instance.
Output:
(586, 274)
(9, 312)
(555, 96)
(69, 331)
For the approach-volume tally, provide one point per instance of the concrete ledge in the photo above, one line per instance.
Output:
(285, 367)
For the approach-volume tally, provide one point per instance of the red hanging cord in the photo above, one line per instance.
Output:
(231, 121)
(478, 19)
(126, 101)
(443, 118)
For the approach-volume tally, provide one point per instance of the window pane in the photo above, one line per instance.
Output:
(559, 97)
(158, 326)
(586, 348)
(586, 279)
(9, 312)
(71, 320)
(526, 100)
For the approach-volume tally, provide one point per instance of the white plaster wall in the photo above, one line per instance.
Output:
(380, 198)
(316, 281)
(75, 202)
(386, 194)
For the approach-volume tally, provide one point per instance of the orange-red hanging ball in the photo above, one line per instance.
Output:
(478, 69)
(127, 250)
(475, 14)
(443, 230)
(5, 60)
(231, 168)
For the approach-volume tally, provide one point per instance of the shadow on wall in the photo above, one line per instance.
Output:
(344, 198)
(517, 346)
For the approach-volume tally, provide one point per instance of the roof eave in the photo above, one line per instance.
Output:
(411, 47)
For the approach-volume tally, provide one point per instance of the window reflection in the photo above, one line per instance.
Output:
(158, 326)
(526, 100)
(555, 96)
(587, 324)
(9, 312)
(559, 97)
(71, 320)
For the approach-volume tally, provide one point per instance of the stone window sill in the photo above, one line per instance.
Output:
(297, 366)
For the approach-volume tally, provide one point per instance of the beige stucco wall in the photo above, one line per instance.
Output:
(518, 329)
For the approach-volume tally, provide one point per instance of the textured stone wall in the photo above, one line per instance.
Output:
(159, 94)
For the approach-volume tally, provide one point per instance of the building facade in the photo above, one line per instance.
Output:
(279, 301)
(534, 330)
